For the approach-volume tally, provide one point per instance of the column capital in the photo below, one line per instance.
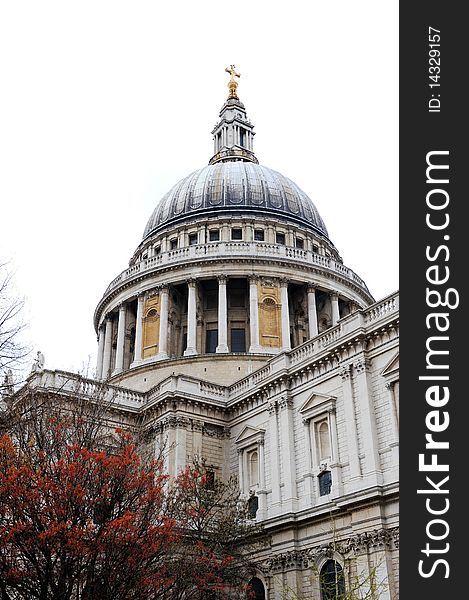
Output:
(334, 295)
(311, 287)
(284, 281)
(285, 402)
(389, 386)
(164, 288)
(222, 279)
(345, 372)
(253, 279)
(108, 317)
(122, 306)
(191, 282)
(362, 365)
(141, 296)
(272, 407)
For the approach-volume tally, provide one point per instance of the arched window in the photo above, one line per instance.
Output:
(253, 468)
(256, 587)
(332, 581)
(324, 441)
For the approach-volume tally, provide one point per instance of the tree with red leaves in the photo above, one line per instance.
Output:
(83, 516)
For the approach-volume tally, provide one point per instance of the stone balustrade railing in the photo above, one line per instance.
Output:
(388, 307)
(75, 385)
(235, 249)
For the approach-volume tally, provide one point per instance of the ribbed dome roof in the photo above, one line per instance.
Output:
(235, 187)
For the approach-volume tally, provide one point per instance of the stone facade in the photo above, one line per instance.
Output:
(238, 336)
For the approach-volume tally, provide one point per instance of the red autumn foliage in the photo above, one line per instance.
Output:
(83, 516)
(79, 526)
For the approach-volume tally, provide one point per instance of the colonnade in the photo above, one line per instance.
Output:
(105, 334)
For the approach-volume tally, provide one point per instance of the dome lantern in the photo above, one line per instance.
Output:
(233, 135)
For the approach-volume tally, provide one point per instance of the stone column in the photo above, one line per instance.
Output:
(350, 424)
(334, 296)
(367, 416)
(274, 460)
(138, 330)
(308, 475)
(107, 348)
(222, 316)
(285, 315)
(99, 364)
(241, 470)
(118, 367)
(290, 494)
(197, 439)
(335, 464)
(262, 492)
(312, 312)
(191, 319)
(164, 316)
(394, 444)
(181, 443)
(254, 315)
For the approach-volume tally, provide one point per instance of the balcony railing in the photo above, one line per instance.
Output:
(227, 250)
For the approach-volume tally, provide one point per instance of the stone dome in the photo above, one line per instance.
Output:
(235, 187)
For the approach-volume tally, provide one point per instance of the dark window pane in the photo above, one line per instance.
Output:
(332, 581)
(256, 587)
(325, 483)
(253, 505)
(238, 340)
(214, 235)
(259, 235)
(237, 299)
(173, 244)
(300, 243)
(211, 299)
(210, 480)
(192, 239)
(280, 238)
(236, 234)
(211, 340)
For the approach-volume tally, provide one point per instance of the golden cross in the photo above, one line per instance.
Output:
(232, 72)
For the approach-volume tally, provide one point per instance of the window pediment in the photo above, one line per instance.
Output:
(316, 405)
(392, 367)
(250, 436)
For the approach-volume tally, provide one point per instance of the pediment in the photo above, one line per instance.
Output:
(317, 402)
(250, 434)
(392, 366)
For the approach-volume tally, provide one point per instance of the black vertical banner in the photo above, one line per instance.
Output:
(434, 251)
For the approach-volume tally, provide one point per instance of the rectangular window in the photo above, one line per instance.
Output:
(259, 235)
(325, 483)
(237, 234)
(193, 239)
(157, 249)
(315, 248)
(238, 340)
(214, 235)
(280, 238)
(173, 244)
(300, 243)
(211, 341)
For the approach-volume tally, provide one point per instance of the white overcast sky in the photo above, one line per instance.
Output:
(104, 105)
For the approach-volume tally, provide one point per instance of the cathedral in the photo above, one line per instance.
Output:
(237, 336)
